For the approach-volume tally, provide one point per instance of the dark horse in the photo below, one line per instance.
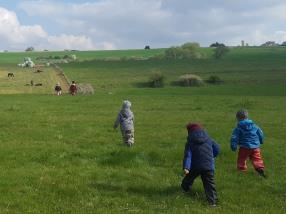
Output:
(10, 75)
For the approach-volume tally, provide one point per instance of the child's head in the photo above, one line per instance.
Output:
(191, 127)
(126, 104)
(242, 114)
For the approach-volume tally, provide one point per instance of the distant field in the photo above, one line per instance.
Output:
(21, 82)
(61, 154)
(15, 58)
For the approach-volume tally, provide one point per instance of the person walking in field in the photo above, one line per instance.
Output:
(125, 119)
(199, 154)
(73, 88)
(248, 136)
(58, 89)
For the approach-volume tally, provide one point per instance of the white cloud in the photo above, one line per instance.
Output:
(125, 24)
(15, 36)
(160, 23)
(70, 42)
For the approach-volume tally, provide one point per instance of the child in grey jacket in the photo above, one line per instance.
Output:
(126, 120)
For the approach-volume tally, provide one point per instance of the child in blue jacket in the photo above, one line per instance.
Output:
(248, 136)
(200, 151)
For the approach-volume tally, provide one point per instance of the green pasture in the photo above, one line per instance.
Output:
(61, 154)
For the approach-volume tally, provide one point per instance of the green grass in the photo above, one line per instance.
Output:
(61, 154)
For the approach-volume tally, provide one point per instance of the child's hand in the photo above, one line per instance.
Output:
(186, 171)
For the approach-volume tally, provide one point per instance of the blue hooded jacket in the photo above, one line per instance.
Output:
(247, 135)
(200, 151)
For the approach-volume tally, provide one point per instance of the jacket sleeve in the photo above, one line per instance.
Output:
(216, 148)
(117, 121)
(187, 157)
(260, 135)
(234, 139)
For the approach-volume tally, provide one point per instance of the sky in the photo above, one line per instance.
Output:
(133, 24)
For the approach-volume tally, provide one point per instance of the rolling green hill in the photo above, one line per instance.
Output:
(61, 154)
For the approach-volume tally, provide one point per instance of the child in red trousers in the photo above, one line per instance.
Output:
(248, 136)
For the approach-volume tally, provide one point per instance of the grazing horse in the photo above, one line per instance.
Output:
(10, 75)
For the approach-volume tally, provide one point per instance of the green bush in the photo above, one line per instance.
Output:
(190, 80)
(157, 79)
(221, 51)
(186, 51)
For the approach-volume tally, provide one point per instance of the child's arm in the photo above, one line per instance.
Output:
(260, 135)
(187, 157)
(216, 148)
(234, 139)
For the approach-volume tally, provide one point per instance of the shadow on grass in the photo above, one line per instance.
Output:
(151, 191)
(136, 190)
(142, 85)
(146, 85)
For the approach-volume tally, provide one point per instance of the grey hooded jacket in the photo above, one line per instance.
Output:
(125, 117)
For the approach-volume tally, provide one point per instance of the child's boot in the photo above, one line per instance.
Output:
(261, 172)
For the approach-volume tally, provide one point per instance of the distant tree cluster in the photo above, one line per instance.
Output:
(29, 49)
(186, 51)
(215, 45)
(270, 44)
(273, 44)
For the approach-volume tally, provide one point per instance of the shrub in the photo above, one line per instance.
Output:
(214, 80)
(66, 57)
(85, 89)
(220, 51)
(157, 79)
(186, 51)
(190, 80)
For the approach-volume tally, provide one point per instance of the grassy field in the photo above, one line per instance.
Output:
(61, 154)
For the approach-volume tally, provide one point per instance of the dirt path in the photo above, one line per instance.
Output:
(64, 82)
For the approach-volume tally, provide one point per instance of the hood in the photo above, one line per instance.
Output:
(126, 105)
(198, 137)
(245, 124)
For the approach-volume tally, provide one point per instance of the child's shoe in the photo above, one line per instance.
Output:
(261, 172)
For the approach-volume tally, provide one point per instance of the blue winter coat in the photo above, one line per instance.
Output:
(200, 151)
(247, 135)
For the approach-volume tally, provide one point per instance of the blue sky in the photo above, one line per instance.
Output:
(129, 24)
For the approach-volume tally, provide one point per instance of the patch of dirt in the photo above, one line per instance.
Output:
(64, 82)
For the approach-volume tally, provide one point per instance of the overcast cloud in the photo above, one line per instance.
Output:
(128, 24)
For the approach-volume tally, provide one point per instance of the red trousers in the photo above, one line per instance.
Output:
(253, 154)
